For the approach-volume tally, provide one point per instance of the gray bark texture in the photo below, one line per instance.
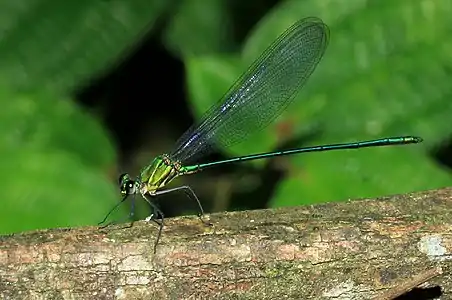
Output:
(360, 249)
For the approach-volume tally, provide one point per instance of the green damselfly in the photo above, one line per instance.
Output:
(255, 100)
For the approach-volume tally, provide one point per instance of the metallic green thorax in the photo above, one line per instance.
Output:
(160, 172)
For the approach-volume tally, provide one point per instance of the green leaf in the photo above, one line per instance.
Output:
(386, 72)
(342, 175)
(55, 163)
(40, 120)
(45, 189)
(59, 44)
(199, 27)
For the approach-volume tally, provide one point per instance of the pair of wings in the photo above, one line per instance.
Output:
(261, 94)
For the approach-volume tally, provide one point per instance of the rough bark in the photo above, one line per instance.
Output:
(362, 249)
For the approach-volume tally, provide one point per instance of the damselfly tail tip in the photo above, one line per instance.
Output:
(414, 139)
(418, 139)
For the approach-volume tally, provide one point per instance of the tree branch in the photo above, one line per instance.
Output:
(350, 250)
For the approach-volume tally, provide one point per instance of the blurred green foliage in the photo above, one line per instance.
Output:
(386, 72)
(57, 160)
(54, 162)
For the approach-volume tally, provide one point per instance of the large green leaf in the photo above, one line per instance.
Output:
(334, 176)
(58, 44)
(385, 72)
(57, 160)
(55, 163)
(51, 188)
(40, 120)
(199, 27)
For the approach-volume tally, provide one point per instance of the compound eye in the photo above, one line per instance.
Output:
(130, 186)
(123, 177)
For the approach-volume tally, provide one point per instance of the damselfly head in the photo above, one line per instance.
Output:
(126, 185)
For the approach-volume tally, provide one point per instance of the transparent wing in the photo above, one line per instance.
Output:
(261, 94)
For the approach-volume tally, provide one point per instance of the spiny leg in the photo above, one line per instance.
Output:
(191, 194)
(154, 217)
(130, 216)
